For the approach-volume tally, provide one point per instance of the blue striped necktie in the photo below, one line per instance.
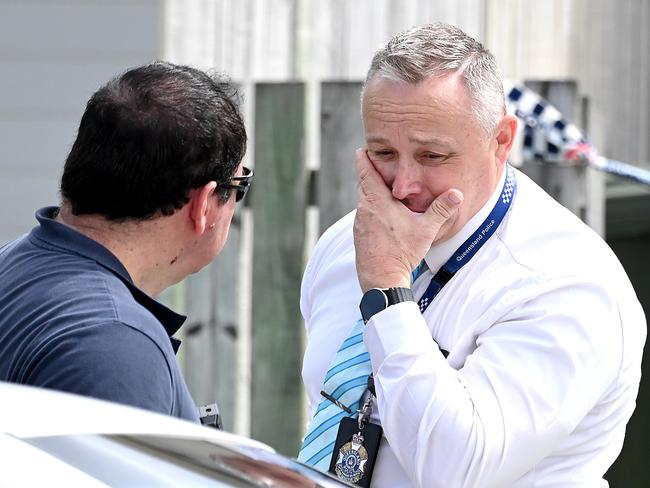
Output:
(346, 380)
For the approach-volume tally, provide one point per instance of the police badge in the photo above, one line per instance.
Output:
(352, 460)
(355, 451)
(357, 442)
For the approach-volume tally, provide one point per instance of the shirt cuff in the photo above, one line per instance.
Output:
(399, 327)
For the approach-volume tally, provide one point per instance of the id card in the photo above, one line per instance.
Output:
(355, 451)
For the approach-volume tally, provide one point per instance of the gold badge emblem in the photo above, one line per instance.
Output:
(351, 463)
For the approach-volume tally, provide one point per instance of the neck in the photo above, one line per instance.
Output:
(440, 252)
(150, 259)
(496, 181)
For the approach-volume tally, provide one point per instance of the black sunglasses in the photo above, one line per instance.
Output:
(240, 183)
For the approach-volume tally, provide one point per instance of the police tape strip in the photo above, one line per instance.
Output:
(548, 136)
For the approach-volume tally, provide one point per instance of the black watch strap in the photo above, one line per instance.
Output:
(377, 299)
(398, 295)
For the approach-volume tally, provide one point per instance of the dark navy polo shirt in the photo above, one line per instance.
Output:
(71, 319)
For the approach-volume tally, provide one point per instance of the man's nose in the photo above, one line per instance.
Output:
(407, 180)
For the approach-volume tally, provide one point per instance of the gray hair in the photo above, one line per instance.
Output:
(440, 49)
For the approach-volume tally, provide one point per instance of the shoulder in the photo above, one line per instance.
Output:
(549, 240)
(108, 360)
(545, 258)
(542, 250)
(96, 295)
(338, 236)
(331, 263)
(336, 244)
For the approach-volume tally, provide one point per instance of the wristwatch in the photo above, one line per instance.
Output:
(377, 299)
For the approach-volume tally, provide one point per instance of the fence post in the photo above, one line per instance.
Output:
(341, 135)
(278, 202)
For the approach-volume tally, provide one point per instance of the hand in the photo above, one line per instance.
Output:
(391, 240)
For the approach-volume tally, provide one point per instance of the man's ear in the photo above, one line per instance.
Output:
(200, 200)
(505, 136)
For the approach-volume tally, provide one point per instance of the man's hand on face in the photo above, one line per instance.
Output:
(391, 240)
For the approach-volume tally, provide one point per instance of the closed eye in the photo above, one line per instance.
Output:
(428, 158)
(382, 154)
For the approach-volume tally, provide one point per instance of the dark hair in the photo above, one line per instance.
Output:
(148, 137)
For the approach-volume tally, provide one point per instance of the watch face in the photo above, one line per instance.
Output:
(373, 301)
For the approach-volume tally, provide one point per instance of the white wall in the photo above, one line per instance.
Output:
(289, 39)
(53, 55)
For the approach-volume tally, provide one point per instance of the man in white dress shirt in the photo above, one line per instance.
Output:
(524, 368)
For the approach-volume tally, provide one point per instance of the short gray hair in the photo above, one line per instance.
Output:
(440, 49)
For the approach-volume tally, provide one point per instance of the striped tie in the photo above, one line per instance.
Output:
(346, 381)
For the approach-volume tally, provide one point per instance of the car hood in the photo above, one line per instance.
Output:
(27, 412)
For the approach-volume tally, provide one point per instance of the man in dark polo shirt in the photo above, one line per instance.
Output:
(148, 192)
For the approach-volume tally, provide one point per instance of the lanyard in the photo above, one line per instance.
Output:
(465, 252)
(470, 247)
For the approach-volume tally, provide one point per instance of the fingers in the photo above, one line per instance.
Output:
(362, 160)
(445, 206)
(369, 179)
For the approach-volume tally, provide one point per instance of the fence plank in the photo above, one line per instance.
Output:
(278, 203)
(341, 135)
(212, 330)
(226, 325)
(196, 351)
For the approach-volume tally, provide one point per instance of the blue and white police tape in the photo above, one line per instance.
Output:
(550, 137)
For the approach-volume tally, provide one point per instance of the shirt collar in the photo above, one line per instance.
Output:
(61, 236)
(440, 253)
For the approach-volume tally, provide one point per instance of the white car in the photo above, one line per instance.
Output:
(49, 438)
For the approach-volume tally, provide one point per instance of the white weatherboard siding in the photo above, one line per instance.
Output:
(53, 55)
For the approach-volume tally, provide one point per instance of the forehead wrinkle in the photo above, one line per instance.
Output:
(422, 114)
(418, 116)
(432, 99)
(420, 127)
(420, 140)
(378, 139)
(429, 141)
(422, 108)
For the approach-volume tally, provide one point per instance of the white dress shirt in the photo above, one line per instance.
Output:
(545, 336)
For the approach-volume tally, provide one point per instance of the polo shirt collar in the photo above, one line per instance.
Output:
(55, 234)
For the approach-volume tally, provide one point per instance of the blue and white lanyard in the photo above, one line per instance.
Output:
(470, 247)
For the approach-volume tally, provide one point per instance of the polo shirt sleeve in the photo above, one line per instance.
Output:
(110, 361)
